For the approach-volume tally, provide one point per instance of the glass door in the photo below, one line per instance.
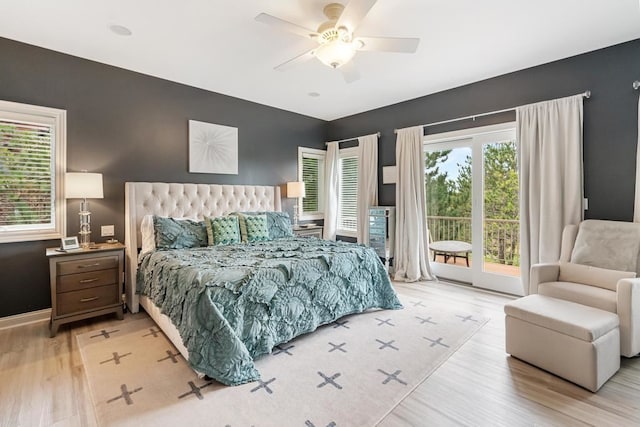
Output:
(471, 184)
(448, 187)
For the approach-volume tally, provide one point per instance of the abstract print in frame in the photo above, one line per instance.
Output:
(212, 148)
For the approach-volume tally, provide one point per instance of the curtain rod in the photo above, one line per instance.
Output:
(586, 94)
(636, 85)
(350, 139)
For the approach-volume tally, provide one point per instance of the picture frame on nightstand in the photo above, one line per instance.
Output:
(69, 243)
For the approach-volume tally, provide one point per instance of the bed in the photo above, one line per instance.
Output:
(222, 306)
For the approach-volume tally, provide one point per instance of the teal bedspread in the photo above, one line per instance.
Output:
(234, 303)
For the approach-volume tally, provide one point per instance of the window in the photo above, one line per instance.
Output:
(311, 165)
(311, 172)
(32, 165)
(348, 192)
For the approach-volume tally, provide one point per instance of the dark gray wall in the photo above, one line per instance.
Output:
(610, 118)
(132, 127)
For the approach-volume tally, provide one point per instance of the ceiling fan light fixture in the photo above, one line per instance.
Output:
(335, 37)
(335, 53)
(344, 34)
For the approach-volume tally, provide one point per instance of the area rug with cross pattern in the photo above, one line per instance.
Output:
(352, 372)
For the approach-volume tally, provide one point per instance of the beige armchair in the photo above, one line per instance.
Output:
(598, 264)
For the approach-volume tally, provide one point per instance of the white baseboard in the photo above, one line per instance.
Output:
(25, 318)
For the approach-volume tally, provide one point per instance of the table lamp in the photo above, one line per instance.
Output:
(83, 185)
(295, 190)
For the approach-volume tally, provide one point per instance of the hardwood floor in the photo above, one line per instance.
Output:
(42, 380)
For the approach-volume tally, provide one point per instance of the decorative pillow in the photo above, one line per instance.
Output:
(223, 230)
(613, 245)
(174, 233)
(253, 228)
(278, 223)
(594, 276)
(209, 227)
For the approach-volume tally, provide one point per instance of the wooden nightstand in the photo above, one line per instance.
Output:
(315, 231)
(85, 283)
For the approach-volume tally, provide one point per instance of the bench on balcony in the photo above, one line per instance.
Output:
(451, 249)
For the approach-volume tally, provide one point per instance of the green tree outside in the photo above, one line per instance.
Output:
(452, 197)
(25, 175)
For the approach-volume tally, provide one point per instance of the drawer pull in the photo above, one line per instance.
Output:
(88, 280)
(95, 264)
(88, 299)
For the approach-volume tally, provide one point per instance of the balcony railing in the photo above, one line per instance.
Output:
(501, 236)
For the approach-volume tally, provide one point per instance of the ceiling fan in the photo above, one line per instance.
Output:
(336, 38)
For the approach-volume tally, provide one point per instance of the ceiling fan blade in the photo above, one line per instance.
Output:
(350, 72)
(281, 24)
(390, 44)
(353, 13)
(295, 61)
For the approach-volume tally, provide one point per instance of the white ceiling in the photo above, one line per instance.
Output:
(217, 45)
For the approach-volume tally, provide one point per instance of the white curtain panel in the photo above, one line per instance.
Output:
(551, 182)
(636, 207)
(331, 191)
(367, 182)
(412, 242)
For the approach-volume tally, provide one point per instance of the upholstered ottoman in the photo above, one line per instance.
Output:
(574, 341)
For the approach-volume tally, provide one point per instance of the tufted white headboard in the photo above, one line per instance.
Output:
(184, 201)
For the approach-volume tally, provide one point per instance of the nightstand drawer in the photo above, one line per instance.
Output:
(87, 299)
(82, 266)
(90, 279)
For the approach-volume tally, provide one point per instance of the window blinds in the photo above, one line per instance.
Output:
(26, 174)
(310, 175)
(348, 189)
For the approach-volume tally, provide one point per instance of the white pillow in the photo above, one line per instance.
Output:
(594, 276)
(148, 234)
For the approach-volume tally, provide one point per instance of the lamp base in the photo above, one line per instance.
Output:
(84, 239)
(295, 215)
(85, 224)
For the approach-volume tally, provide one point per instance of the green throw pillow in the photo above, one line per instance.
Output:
(253, 228)
(223, 230)
(173, 233)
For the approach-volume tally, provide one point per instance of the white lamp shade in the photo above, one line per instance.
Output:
(295, 190)
(83, 185)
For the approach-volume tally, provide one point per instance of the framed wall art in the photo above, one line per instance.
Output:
(212, 148)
